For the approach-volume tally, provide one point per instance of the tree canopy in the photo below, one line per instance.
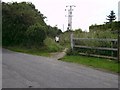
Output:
(23, 24)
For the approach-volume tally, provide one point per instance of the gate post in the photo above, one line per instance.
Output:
(71, 38)
(118, 33)
(118, 46)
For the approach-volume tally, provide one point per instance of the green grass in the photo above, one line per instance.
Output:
(104, 64)
(49, 46)
(33, 51)
(52, 46)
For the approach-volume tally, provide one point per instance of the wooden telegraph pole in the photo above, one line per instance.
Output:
(69, 28)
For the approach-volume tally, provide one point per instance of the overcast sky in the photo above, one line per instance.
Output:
(86, 12)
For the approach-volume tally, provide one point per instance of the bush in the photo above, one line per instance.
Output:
(16, 19)
(35, 35)
(51, 45)
(65, 39)
(72, 52)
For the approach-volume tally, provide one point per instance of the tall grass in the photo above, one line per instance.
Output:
(65, 40)
(44, 50)
(51, 45)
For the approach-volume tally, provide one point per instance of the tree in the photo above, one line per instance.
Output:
(17, 18)
(23, 24)
(111, 17)
(35, 35)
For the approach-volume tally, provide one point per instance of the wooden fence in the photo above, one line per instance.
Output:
(113, 49)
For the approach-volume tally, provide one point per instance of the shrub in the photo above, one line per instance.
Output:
(51, 45)
(72, 52)
(65, 39)
(35, 35)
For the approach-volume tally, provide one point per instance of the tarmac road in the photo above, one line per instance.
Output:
(24, 71)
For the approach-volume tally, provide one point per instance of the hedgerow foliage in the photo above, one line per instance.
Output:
(23, 24)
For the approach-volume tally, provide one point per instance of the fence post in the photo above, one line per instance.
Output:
(118, 46)
(112, 43)
(118, 33)
(71, 38)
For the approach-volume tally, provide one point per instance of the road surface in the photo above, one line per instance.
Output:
(28, 71)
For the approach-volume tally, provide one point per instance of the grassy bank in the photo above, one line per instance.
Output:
(33, 51)
(104, 64)
(49, 46)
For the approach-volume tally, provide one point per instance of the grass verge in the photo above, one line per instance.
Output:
(49, 46)
(33, 51)
(99, 63)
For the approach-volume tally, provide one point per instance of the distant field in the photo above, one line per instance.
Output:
(104, 64)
